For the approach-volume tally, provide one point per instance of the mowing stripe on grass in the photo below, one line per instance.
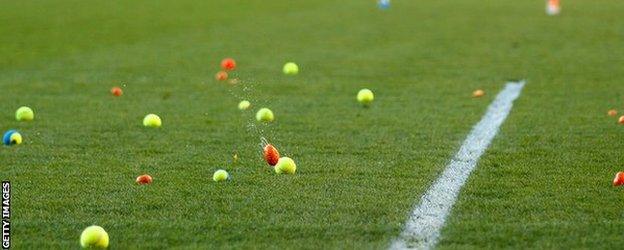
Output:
(423, 227)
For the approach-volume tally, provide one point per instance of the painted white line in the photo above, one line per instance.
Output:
(422, 229)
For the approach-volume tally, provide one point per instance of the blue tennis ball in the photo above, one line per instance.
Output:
(383, 4)
(11, 137)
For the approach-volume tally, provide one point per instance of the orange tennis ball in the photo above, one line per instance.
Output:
(228, 64)
(221, 76)
(612, 112)
(116, 91)
(478, 93)
(144, 179)
(619, 179)
(271, 155)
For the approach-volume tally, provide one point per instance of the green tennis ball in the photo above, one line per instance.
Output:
(285, 165)
(220, 175)
(24, 114)
(152, 121)
(290, 68)
(243, 105)
(94, 237)
(265, 115)
(365, 96)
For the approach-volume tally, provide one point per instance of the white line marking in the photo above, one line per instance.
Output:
(422, 229)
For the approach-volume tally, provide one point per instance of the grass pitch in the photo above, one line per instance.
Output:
(544, 183)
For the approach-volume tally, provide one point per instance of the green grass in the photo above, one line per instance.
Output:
(544, 183)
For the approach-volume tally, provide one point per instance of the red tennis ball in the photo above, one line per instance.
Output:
(271, 155)
(619, 179)
(116, 91)
(144, 179)
(221, 76)
(228, 64)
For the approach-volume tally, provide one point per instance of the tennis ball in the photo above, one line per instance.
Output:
(365, 96)
(264, 115)
(220, 175)
(621, 120)
(24, 114)
(243, 105)
(144, 179)
(271, 155)
(152, 121)
(619, 179)
(116, 91)
(612, 112)
(478, 93)
(285, 165)
(16, 138)
(290, 68)
(11, 138)
(228, 64)
(94, 237)
(553, 8)
(221, 76)
(383, 4)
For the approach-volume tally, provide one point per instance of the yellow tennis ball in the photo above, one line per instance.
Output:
(290, 68)
(152, 121)
(285, 165)
(24, 114)
(220, 175)
(243, 105)
(94, 237)
(16, 138)
(365, 96)
(265, 115)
